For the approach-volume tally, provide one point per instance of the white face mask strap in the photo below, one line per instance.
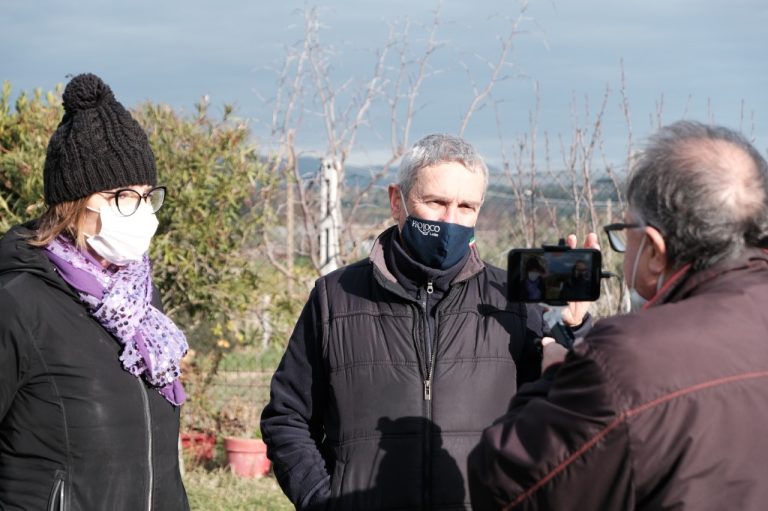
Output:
(637, 260)
(98, 211)
(402, 199)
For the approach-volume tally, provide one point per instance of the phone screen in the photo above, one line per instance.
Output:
(554, 276)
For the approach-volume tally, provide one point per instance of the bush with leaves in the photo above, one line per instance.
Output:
(212, 216)
(24, 135)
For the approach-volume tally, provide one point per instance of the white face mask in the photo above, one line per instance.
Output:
(124, 239)
(534, 275)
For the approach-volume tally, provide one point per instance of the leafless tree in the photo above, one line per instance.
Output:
(308, 90)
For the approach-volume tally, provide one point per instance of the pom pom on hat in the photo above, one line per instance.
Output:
(97, 146)
(85, 91)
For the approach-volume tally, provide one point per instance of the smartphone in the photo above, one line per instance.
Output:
(554, 275)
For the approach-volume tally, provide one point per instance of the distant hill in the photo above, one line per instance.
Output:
(360, 176)
(356, 176)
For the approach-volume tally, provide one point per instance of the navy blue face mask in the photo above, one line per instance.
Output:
(438, 245)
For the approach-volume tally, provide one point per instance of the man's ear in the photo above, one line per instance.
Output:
(395, 202)
(657, 262)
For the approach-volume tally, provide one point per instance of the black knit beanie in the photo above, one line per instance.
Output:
(97, 146)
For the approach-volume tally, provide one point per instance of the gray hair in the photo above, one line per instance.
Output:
(435, 149)
(705, 188)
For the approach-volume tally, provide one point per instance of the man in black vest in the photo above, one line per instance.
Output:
(397, 362)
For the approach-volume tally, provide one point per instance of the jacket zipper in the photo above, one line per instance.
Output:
(148, 417)
(56, 502)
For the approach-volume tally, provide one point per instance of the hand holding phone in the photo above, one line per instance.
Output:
(574, 312)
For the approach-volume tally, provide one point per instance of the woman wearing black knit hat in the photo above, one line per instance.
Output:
(89, 365)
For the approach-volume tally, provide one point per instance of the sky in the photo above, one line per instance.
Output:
(701, 60)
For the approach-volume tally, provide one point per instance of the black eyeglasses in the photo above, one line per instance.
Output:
(617, 236)
(127, 201)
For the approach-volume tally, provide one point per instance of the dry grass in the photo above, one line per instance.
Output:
(219, 490)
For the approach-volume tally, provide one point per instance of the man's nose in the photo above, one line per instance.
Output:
(449, 214)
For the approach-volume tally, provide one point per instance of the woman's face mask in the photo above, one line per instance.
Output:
(123, 239)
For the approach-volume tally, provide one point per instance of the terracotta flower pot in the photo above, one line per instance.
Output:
(247, 456)
(200, 445)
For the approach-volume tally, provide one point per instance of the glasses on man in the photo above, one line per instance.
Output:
(127, 201)
(617, 235)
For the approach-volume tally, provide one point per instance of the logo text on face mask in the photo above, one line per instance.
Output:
(426, 229)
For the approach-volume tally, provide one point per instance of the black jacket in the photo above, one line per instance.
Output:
(77, 432)
(360, 418)
(662, 409)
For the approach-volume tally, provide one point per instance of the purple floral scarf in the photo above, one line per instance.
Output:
(120, 300)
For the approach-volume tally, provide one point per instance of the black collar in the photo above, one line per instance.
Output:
(413, 275)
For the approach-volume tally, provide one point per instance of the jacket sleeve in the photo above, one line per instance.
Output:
(292, 421)
(561, 446)
(14, 360)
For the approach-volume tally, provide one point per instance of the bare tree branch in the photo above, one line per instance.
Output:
(496, 69)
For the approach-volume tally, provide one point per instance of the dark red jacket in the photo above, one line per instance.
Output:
(663, 409)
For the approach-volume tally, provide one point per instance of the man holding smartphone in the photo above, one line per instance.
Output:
(399, 361)
(664, 408)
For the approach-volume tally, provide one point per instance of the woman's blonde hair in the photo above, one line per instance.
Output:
(63, 218)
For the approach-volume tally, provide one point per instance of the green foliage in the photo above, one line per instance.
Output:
(211, 218)
(252, 359)
(24, 134)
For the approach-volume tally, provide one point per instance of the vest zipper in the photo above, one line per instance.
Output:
(148, 417)
(428, 341)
